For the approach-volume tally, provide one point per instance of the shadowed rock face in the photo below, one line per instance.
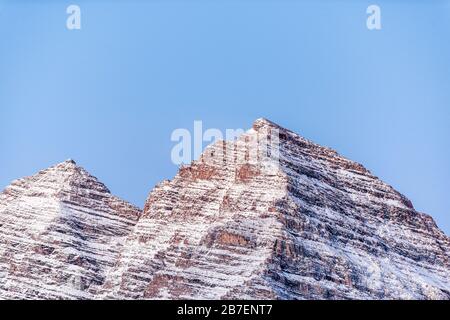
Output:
(309, 224)
(315, 226)
(60, 232)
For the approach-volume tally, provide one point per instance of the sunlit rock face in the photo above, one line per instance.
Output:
(310, 225)
(60, 232)
(255, 218)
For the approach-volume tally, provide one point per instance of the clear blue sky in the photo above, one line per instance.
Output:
(110, 94)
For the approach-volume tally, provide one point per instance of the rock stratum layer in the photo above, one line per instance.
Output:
(306, 224)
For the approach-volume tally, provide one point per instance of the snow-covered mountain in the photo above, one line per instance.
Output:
(306, 224)
(61, 231)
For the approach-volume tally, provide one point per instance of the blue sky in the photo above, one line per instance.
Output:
(109, 95)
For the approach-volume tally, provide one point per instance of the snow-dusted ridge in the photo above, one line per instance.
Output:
(318, 226)
(61, 230)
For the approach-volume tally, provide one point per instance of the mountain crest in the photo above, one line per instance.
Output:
(318, 226)
(314, 226)
(60, 232)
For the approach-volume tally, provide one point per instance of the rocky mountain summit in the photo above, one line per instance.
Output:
(61, 230)
(301, 223)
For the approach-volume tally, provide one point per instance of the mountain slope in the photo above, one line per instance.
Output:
(60, 232)
(311, 225)
(268, 216)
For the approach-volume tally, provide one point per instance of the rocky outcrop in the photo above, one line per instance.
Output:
(60, 233)
(307, 225)
(268, 216)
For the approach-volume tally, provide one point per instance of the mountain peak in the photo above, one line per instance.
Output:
(314, 226)
(68, 165)
(317, 226)
(68, 219)
(264, 123)
(70, 161)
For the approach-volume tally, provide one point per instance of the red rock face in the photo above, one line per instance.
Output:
(235, 224)
(315, 226)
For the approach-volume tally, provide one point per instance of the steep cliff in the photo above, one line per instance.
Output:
(306, 224)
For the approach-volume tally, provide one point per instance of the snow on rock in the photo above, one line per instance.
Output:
(318, 226)
(60, 232)
(232, 225)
